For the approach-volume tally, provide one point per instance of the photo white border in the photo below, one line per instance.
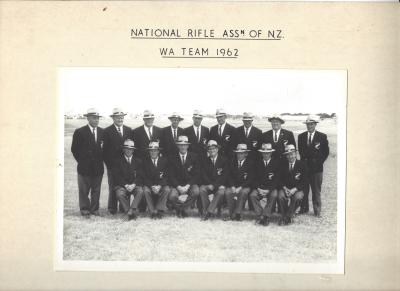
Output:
(125, 266)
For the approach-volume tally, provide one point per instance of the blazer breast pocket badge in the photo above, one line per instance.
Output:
(101, 143)
(245, 176)
(219, 171)
(189, 168)
(254, 143)
(161, 175)
(317, 145)
(270, 176)
(285, 142)
(297, 176)
(227, 137)
(204, 140)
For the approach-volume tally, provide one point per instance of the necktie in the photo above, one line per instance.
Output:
(309, 138)
(213, 161)
(119, 130)
(150, 134)
(154, 163)
(94, 134)
(291, 167)
(247, 132)
(129, 160)
(198, 134)
(174, 134)
(239, 165)
(183, 160)
(219, 130)
(275, 137)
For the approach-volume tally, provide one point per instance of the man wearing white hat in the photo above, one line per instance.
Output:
(198, 135)
(293, 180)
(241, 182)
(278, 136)
(128, 180)
(87, 149)
(314, 150)
(145, 133)
(215, 170)
(184, 176)
(114, 137)
(170, 135)
(249, 135)
(156, 189)
(223, 133)
(266, 184)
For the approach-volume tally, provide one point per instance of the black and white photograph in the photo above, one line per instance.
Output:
(239, 170)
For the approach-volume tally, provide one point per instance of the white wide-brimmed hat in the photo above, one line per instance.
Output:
(276, 117)
(175, 115)
(212, 143)
(147, 114)
(129, 144)
(117, 112)
(92, 112)
(154, 145)
(289, 149)
(312, 119)
(220, 112)
(266, 148)
(241, 148)
(247, 116)
(182, 139)
(197, 114)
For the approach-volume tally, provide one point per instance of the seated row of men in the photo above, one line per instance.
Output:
(182, 162)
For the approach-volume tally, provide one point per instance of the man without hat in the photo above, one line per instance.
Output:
(249, 134)
(223, 133)
(145, 133)
(156, 189)
(198, 135)
(241, 182)
(293, 177)
(114, 137)
(170, 135)
(314, 150)
(215, 173)
(87, 149)
(266, 184)
(184, 176)
(128, 179)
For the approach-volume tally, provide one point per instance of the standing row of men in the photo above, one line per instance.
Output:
(233, 163)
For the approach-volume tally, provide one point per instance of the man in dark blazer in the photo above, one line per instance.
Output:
(87, 149)
(278, 137)
(215, 173)
(314, 150)
(170, 135)
(145, 133)
(128, 180)
(198, 135)
(156, 189)
(293, 183)
(114, 137)
(266, 184)
(184, 176)
(249, 135)
(224, 134)
(241, 182)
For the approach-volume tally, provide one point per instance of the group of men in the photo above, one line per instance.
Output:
(176, 168)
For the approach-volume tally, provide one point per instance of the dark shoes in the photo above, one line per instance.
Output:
(95, 213)
(303, 211)
(238, 217)
(181, 213)
(263, 221)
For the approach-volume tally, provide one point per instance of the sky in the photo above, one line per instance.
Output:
(260, 91)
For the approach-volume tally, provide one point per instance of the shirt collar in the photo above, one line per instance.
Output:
(248, 128)
(278, 131)
(91, 128)
(128, 158)
(267, 161)
(195, 127)
(182, 155)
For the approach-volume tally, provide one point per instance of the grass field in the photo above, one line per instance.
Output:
(108, 238)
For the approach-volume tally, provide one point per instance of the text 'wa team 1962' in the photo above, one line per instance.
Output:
(175, 169)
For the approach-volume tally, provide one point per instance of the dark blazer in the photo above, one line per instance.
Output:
(297, 178)
(167, 141)
(196, 146)
(227, 141)
(267, 177)
(184, 174)
(285, 137)
(87, 152)
(243, 176)
(125, 173)
(142, 140)
(253, 141)
(315, 154)
(215, 175)
(113, 141)
(155, 175)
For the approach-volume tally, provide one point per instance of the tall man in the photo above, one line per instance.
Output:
(128, 179)
(170, 135)
(249, 135)
(241, 182)
(215, 170)
(156, 189)
(314, 150)
(184, 174)
(197, 135)
(87, 149)
(145, 133)
(266, 184)
(114, 137)
(224, 134)
(278, 137)
(294, 182)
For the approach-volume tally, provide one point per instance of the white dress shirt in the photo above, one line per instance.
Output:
(222, 128)
(121, 129)
(149, 131)
(278, 132)
(95, 132)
